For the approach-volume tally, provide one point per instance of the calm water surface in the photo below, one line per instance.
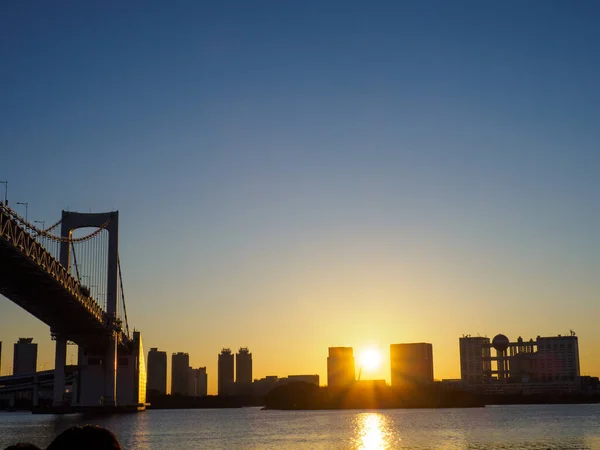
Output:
(506, 427)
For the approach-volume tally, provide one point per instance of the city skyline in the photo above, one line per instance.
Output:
(360, 367)
(398, 173)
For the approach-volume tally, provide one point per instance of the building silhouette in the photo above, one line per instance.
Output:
(540, 365)
(474, 358)
(243, 366)
(262, 386)
(180, 363)
(25, 356)
(157, 371)
(312, 379)
(557, 359)
(198, 382)
(411, 364)
(225, 372)
(340, 367)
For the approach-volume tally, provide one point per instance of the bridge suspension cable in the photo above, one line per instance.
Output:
(46, 233)
(90, 265)
(89, 255)
(123, 296)
(75, 262)
(19, 243)
(51, 227)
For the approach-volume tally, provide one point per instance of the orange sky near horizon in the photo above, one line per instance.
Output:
(289, 355)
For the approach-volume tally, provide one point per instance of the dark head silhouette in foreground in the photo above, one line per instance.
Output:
(87, 437)
(23, 447)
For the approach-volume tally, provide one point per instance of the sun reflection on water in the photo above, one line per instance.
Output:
(372, 431)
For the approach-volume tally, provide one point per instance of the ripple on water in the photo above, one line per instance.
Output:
(508, 427)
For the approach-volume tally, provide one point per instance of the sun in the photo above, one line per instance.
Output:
(370, 359)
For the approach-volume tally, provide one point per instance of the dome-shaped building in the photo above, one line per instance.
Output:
(500, 342)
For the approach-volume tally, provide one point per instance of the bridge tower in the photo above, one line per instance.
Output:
(110, 221)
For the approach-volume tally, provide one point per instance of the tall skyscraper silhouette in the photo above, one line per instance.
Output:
(25, 356)
(243, 371)
(225, 372)
(411, 364)
(198, 382)
(243, 366)
(340, 367)
(157, 371)
(180, 363)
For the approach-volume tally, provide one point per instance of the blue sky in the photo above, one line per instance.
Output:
(293, 175)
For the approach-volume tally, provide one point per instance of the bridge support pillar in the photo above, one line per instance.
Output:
(110, 383)
(36, 392)
(60, 359)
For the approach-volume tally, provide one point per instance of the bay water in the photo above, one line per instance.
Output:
(494, 427)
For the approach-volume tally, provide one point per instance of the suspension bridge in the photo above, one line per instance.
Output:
(73, 282)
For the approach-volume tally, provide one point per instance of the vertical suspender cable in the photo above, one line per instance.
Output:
(98, 268)
(104, 267)
(94, 266)
(75, 262)
(101, 263)
(97, 265)
(123, 295)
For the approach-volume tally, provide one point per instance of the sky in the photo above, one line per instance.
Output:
(297, 175)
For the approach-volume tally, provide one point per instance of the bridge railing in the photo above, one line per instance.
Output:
(16, 235)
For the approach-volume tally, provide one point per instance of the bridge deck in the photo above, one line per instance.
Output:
(34, 289)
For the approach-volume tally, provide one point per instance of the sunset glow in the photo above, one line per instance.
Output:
(370, 359)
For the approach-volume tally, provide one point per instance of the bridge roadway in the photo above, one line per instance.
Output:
(17, 383)
(33, 279)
